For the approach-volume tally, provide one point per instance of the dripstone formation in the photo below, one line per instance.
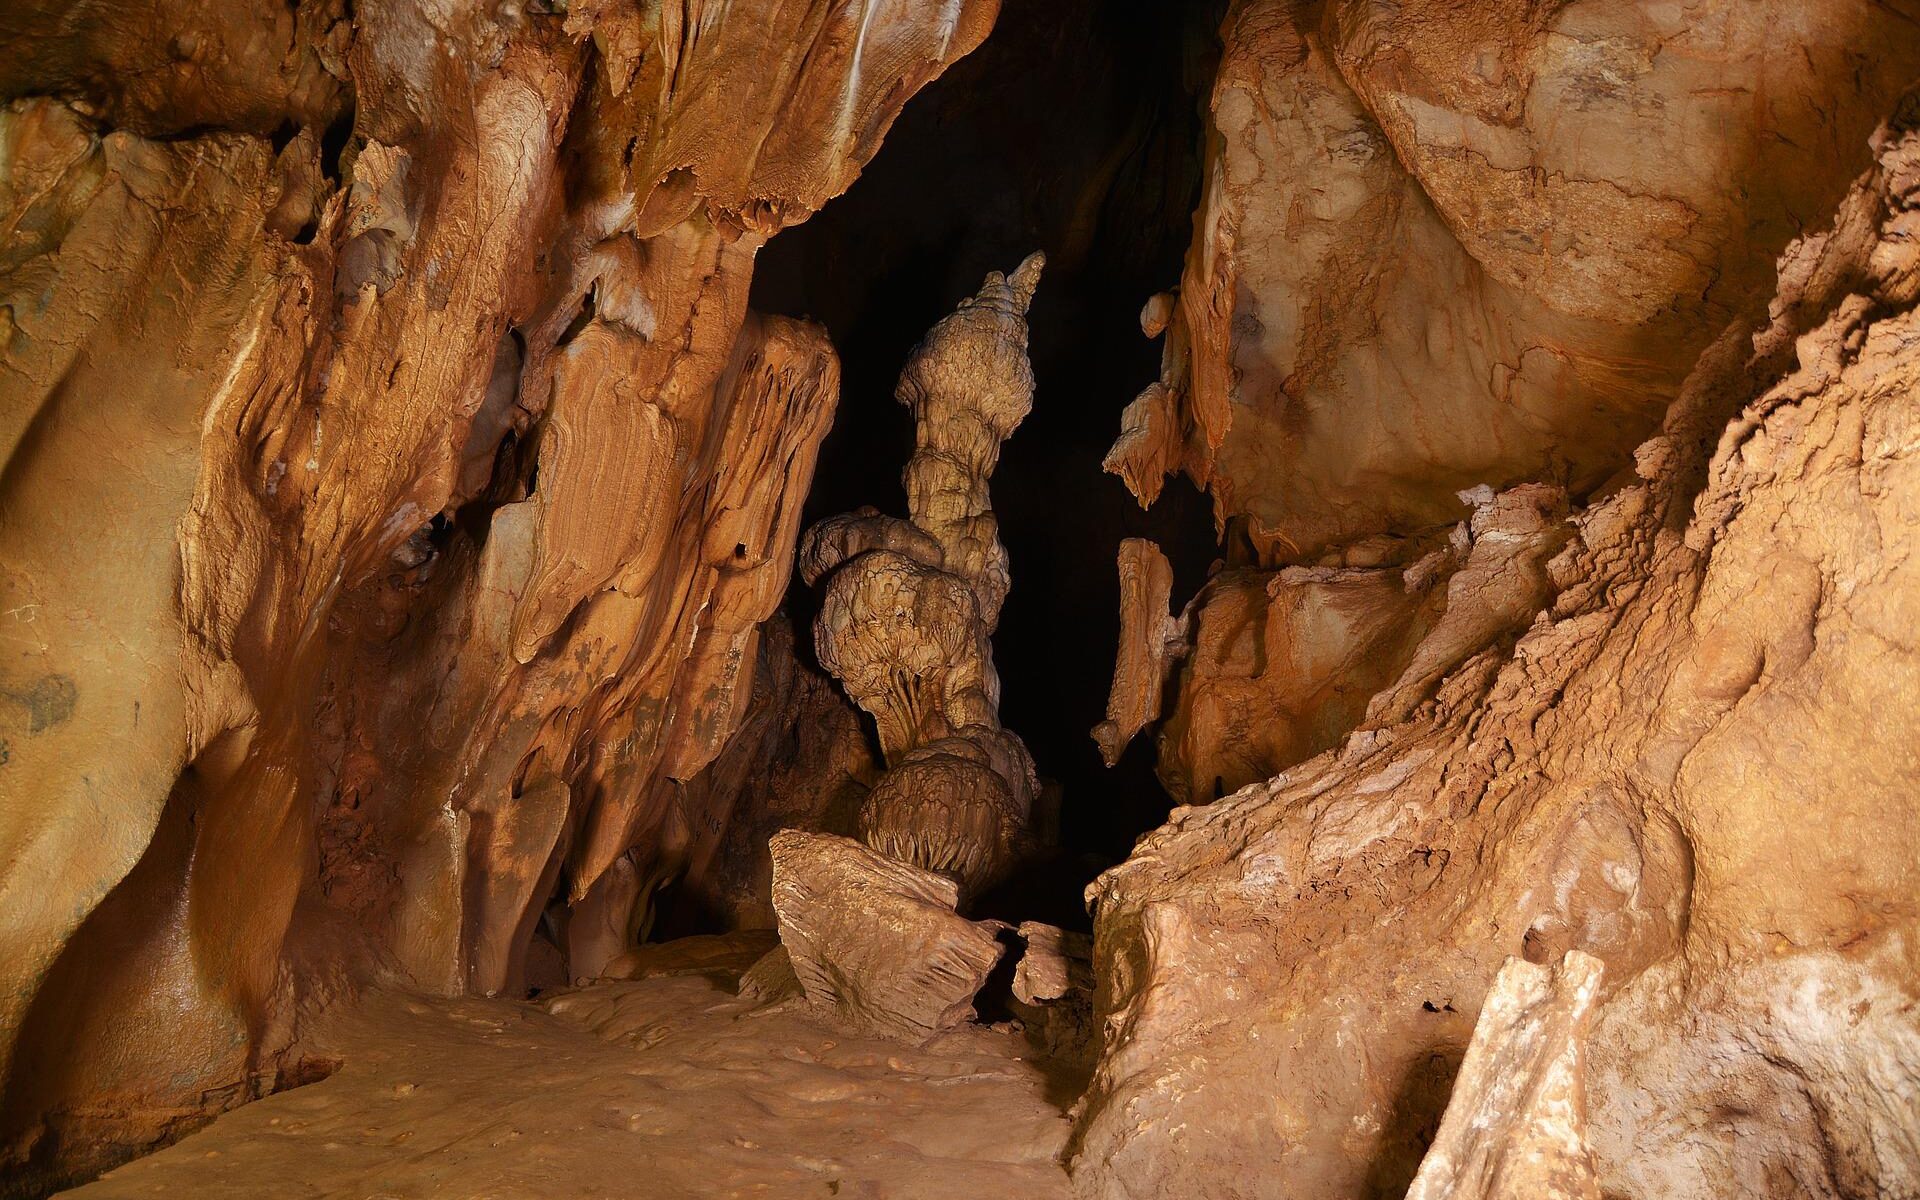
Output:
(909, 605)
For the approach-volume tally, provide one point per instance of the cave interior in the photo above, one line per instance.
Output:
(1220, 598)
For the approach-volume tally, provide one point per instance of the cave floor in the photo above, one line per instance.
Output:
(659, 1087)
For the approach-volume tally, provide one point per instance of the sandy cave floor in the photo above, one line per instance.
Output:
(659, 1087)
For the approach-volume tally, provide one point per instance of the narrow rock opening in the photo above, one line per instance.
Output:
(1077, 129)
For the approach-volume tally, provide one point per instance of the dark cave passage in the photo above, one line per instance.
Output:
(1076, 130)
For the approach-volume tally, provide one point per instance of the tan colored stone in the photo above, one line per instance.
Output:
(1681, 768)
(875, 940)
(1151, 640)
(395, 485)
(1443, 244)
(1515, 1128)
(909, 606)
(1055, 962)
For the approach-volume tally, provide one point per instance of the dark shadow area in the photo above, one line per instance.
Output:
(1076, 129)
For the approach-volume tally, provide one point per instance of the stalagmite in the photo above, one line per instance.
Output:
(908, 605)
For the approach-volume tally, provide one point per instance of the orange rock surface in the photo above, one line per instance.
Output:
(396, 481)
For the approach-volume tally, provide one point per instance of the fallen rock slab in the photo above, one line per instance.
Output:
(877, 941)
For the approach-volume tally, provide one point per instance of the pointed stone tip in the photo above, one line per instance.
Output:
(1026, 278)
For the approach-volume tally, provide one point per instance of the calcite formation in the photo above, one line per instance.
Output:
(400, 497)
(1444, 247)
(800, 760)
(1053, 994)
(1281, 664)
(1151, 641)
(396, 481)
(1691, 765)
(908, 605)
(1447, 244)
(1516, 1124)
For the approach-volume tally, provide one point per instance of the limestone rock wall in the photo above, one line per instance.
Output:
(1445, 244)
(1450, 247)
(395, 483)
(1692, 765)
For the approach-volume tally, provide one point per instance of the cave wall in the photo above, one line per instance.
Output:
(396, 481)
(1445, 247)
(1571, 344)
(398, 484)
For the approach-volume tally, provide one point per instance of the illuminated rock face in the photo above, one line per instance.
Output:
(1660, 725)
(909, 605)
(876, 941)
(1516, 1125)
(1445, 244)
(395, 484)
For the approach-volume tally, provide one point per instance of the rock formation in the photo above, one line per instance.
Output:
(877, 940)
(1150, 642)
(399, 498)
(1446, 244)
(909, 605)
(395, 484)
(800, 760)
(1690, 765)
(1516, 1125)
(1413, 275)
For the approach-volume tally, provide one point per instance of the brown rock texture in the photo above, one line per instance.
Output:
(1446, 244)
(395, 483)
(800, 760)
(1692, 765)
(875, 940)
(1053, 995)
(1151, 641)
(1445, 247)
(399, 495)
